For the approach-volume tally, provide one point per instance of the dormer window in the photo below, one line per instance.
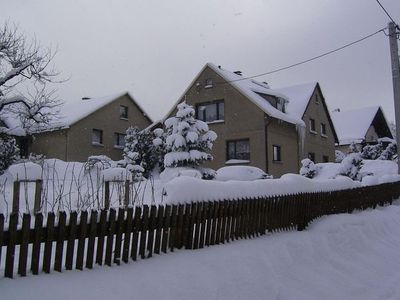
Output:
(123, 112)
(209, 83)
(280, 105)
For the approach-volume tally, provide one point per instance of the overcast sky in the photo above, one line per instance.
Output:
(153, 49)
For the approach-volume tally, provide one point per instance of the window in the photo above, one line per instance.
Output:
(209, 83)
(239, 149)
(311, 156)
(325, 158)
(119, 140)
(312, 125)
(323, 129)
(123, 112)
(209, 112)
(276, 153)
(97, 137)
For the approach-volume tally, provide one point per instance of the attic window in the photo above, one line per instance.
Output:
(323, 130)
(280, 105)
(316, 99)
(97, 137)
(211, 111)
(209, 83)
(123, 112)
(312, 126)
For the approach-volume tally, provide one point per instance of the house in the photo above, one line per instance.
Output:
(360, 126)
(260, 126)
(90, 126)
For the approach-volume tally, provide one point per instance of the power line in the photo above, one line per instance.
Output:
(311, 59)
(386, 12)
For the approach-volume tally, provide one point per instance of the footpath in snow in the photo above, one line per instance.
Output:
(338, 257)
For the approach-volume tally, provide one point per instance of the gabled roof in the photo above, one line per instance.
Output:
(299, 97)
(352, 125)
(71, 112)
(252, 90)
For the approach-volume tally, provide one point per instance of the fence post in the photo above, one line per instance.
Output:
(15, 205)
(38, 194)
(106, 194)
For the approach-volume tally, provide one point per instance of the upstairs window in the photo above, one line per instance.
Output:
(276, 153)
(208, 83)
(119, 140)
(97, 137)
(239, 149)
(323, 129)
(123, 112)
(209, 112)
(312, 125)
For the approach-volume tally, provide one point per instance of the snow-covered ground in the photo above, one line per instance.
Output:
(338, 257)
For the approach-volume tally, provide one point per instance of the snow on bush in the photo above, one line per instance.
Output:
(372, 151)
(8, 151)
(351, 165)
(241, 173)
(170, 173)
(99, 161)
(339, 156)
(353, 148)
(308, 168)
(390, 152)
(26, 171)
(188, 141)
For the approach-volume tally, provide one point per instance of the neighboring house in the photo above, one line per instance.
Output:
(259, 126)
(90, 126)
(360, 126)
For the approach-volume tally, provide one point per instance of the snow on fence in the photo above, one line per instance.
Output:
(107, 237)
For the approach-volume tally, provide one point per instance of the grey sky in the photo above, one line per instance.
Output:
(153, 49)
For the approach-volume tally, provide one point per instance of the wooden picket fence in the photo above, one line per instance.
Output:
(73, 241)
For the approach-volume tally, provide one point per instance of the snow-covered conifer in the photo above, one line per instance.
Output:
(353, 148)
(308, 168)
(8, 151)
(142, 150)
(188, 140)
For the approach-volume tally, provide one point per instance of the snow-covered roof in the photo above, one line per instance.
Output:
(252, 90)
(352, 125)
(299, 96)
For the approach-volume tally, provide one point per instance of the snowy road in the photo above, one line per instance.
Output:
(338, 257)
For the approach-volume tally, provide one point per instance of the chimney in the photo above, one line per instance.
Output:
(238, 73)
(85, 98)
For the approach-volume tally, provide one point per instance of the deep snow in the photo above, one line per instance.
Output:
(338, 257)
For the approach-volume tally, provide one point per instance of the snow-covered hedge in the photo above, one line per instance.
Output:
(241, 173)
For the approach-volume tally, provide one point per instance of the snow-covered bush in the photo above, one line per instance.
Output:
(8, 151)
(241, 173)
(188, 141)
(339, 156)
(143, 149)
(351, 165)
(372, 151)
(308, 168)
(207, 173)
(170, 173)
(390, 152)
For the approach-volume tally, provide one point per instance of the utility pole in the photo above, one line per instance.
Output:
(394, 54)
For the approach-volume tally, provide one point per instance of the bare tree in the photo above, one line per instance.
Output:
(26, 65)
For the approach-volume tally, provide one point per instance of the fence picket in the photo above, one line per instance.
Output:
(120, 228)
(37, 240)
(173, 238)
(203, 221)
(101, 237)
(127, 236)
(12, 238)
(152, 225)
(110, 237)
(23, 249)
(91, 240)
(1, 234)
(82, 240)
(49, 242)
(159, 226)
(135, 232)
(166, 228)
(143, 231)
(71, 240)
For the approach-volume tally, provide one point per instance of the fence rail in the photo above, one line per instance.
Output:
(60, 242)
